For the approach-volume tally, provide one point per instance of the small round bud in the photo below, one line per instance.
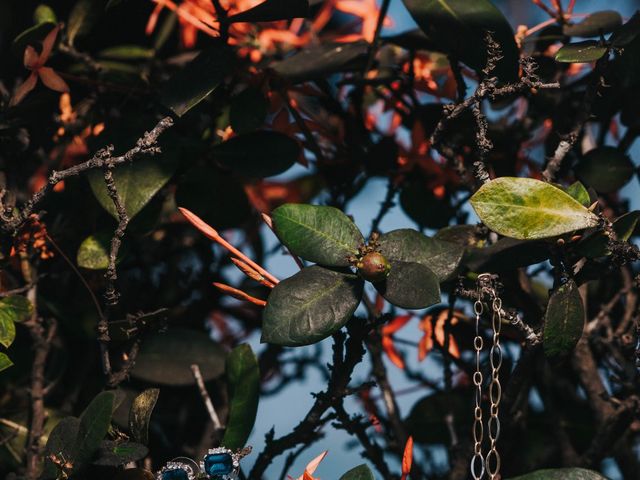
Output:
(374, 267)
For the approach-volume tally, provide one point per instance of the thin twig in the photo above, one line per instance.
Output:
(197, 375)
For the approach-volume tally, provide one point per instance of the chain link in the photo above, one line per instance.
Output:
(477, 461)
(495, 389)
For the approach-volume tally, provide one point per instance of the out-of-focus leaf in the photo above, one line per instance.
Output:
(507, 254)
(564, 320)
(44, 14)
(31, 36)
(561, 474)
(407, 245)
(594, 25)
(525, 208)
(61, 443)
(166, 358)
(414, 39)
(423, 207)
(243, 377)
(361, 472)
(248, 110)
(258, 154)
(322, 60)
(427, 420)
(93, 252)
(627, 33)
(5, 361)
(114, 454)
(410, 285)
(458, 27)
(273, 10)
(127, 52)
(579, 192)
(197, 79)
(606, 169)
(83, 16)
(94, 425)
(581, 52)
(14, 308)
(140, 414)
(310, 306)
(318, 234)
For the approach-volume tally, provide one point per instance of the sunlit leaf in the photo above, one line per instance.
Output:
(581, 52)
(273, 10)
(561, 474)
(93, 427)
(410, 285)
(14, 308)
(243, 377)
(310, 306)
(564, 320)
(44, 14)
(361, 472)
(140, 414)
(595, 24)
(5, 361)
(319, 234)
(525, 208)
(606, 169)
(579, 192)
(93, 252)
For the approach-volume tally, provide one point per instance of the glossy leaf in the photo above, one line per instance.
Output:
(248, 111)
(457, 27)
(564, 320)
(597, 244)
(243, 377)
(114, 454)
(594, 25)
(310, 306)
(5, 361)
(580, 52)
(140, 415)
(525, 208)
(410, 285)
(61, 442)
(579, 192)
(561, 474)
(408, 245)
(361, 472)
(94, 425)
(318, 234)
(273, 10)
(626, 33)
(83, 16)
(322, 60)
(258, 154)
(197, 79)
(166, 358)
(606, 169)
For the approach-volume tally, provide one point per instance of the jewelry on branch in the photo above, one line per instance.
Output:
(181, 468)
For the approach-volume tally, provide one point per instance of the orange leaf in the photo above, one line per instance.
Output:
(52, 80)
(390, 349)
(22, 91)
(407, 458)
(31, 58)
(396, 324)
(47, 44)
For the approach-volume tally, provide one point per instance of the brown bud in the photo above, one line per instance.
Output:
(374, 267)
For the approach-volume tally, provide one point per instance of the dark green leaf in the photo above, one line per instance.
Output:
(410, 285)
(166, 358)
(94, 425)
(525, 208)
(414, 39)
(562, 474)
(44, 14)
(215, 196)
(31, 36)
(423, 207)
(127, 52)
(581, 52)
(93, 252)
(243, 377)
(310, 306)
(597, 244)
(197, 79)
(319, 234)
(458, 27)
(258, 154)
(136, 182)
(627, 32)
(427, 420)
(507, 254)
(5, 361)
(577, 191)
(462, 235)
(606, 169)
(564, 320)
(407, 245)
(594, 25)
(140, 414)
(361, 472)
(61, 443)
(83, 16)
(248, 110)
(322, 60)
(114, 454)
(273, 10)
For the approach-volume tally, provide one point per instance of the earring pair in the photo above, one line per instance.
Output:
(218, 464)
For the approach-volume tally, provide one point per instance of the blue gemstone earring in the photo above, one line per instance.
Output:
(221, 464)
(180, 468)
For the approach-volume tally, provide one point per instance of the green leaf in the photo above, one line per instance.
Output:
(564, 320)
(606, 169)
(61, 443)
(136, 182)
(361, 472)
(5, 362)
(216, 197)
(594, 25)
(197, 79)
(258, 154)
(561, 474)
(322, 60)
(93, 252)
(581, 52)
(83, 16)
(410, 285)
(408, 245)
(273, 10)
(310, 306)
(127, 52)
(243, 377)
(579, 192)
(166, 358)
(94, 425)
(114, 454)
(140, 414)
(14, 308)
(7, 330)
(597, 244)
(427, 420)
(458, 27)
(248, 110)
(507, 254)
(423, 207)
(44, 14)
(627, 33)
(525, 208)
(318, 234)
